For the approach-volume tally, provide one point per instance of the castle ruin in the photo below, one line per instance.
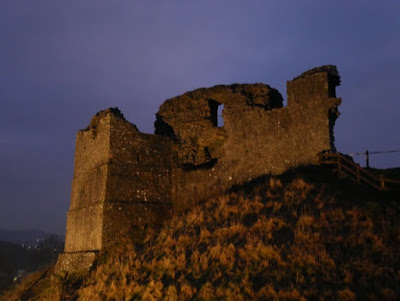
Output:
(125, 180)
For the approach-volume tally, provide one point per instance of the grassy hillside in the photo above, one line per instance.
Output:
(17, 261)
(300, 236)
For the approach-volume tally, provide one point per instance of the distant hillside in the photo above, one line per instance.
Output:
(391, 173)
(17, 261)
(27, 237)
(304, 235)
(8, 267)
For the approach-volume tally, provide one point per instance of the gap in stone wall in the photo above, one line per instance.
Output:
(220, 118)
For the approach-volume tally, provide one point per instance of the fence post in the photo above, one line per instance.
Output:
(358, 173)
(381, 177)
(367, 157)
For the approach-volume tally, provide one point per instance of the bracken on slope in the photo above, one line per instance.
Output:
(300, 236)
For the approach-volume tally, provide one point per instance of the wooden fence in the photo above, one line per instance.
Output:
(348, 167)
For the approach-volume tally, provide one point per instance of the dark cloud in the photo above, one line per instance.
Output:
(62, 61)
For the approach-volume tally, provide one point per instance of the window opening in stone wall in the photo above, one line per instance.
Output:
(213, 111)
(220, 118)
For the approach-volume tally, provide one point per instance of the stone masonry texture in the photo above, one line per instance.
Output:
(125, 181)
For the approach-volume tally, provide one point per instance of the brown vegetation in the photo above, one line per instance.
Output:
(300, 236)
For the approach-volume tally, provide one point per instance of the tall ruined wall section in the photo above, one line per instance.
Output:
(121, 185)
(125, 180)
(258, 137)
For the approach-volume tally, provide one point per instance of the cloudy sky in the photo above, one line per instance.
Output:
(62, 61)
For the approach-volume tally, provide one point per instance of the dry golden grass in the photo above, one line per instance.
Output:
(284, 239)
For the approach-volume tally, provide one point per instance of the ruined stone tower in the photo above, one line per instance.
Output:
(125, 180)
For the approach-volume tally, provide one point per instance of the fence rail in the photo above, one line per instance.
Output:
(348, 167)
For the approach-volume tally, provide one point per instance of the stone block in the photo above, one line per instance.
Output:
(89, 187)
(74, 262)
(84, 229)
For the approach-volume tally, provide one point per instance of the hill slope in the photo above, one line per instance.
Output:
(303, 235)
(17, 261)
(27, 237)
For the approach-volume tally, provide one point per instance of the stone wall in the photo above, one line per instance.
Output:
(125, 180)
(259, 136)
(121, 185)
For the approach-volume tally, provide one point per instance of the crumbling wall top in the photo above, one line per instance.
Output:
(200, 104)
(101, 114)
(330, 69)
(248, 93)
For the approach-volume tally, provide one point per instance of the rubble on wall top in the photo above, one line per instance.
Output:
(233, 88)
(331, 69)
(114, 111)
(96, 118)
(224, 93)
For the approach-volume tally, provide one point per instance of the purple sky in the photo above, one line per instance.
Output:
(62, 61)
